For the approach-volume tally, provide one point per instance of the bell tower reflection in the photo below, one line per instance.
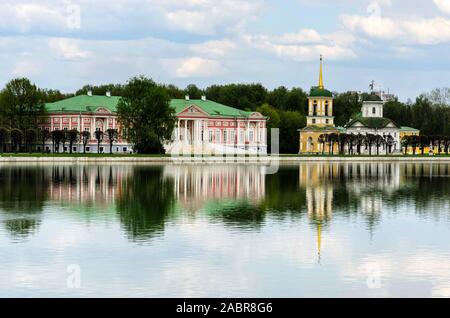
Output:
(317, 180)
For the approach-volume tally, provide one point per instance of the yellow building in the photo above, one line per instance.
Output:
(320, 119)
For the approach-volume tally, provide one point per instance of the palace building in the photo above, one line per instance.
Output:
(320, 119)
(203, 126)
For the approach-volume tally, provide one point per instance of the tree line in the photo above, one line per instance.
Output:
(22, 108)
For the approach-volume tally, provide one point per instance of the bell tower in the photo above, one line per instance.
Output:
(320, 104)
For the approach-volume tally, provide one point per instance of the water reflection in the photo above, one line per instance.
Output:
(23, 192)
(144, 198)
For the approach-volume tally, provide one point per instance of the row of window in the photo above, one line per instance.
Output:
(229, 137)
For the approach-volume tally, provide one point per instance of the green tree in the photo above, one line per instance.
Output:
(57, 136)
(273, 121)
(112, 135)
(4, 138)
(323, 139)
(290, 123)
(16, 139)
(86, 136)
(73, 136)
(44, 135)
(30, 139)
(346, 106)
(21, 105)
(144, 112)
(99, 137)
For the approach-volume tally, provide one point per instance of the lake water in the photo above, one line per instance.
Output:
(310, 230)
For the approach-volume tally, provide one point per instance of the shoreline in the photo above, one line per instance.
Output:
(221, 160)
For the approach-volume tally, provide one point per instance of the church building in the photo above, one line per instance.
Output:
(320, 119)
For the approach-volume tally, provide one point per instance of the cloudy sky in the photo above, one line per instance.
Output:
(61, 44)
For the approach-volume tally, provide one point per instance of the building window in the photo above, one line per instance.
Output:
(225, 136)
(233, 137)
(86, 129)
(251, 136)
(217, 136)
(211, 137)
(326, 108)
(314, 121)
(315, 108)
(88, 149)
(374, 110)
(241, 137)
(125, 149)
(327, 121)
(74, 149)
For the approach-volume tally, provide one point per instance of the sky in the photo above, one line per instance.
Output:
(401, 45)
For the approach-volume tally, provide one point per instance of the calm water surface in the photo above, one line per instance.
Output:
(310, 230)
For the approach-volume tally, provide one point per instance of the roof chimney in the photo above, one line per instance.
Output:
(204, 98)
(108, 94)
(89, 93)
(187, 97)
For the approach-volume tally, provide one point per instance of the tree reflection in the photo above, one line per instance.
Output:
(145, 202)
(23, 192)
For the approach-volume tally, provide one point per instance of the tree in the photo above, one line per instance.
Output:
(346, 106)
(370, 141)
(389, 142)
(379, 142)
(64, 137)
(4, 137)
(342, 141)
(21, 105)
(30, 139)
(86, 136)
(323, 139)
(424, 141)
(44, 135)
(73, 137)
(113, 135)
(145, 114)
(57, 136)
(406, 142)
(290, 123)
(99, 137)
(16, 139)
(273, 121)
(414, 142)
(351, 138)
(359, 141)
(446, 144)
(332, 139)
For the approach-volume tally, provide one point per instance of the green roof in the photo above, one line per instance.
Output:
(320, 128)
(408, 129)
(372, 97)
(84, 103)
(372, 122)
(210, 107)
(320, 92)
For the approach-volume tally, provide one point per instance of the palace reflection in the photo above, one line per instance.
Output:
(144, 198)
(196, 185)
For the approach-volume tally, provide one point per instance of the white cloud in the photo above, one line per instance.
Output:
(305, 45)
(193, 67)
(220, 48)
(443, 5)
(68, 49)
(410, 31)
(27, 67)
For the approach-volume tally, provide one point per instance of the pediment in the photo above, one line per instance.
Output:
(103, 110)
(257, 115)
(193, 110)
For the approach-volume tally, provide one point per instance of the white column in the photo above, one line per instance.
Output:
(185, 132)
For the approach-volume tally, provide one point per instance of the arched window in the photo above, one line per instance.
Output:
(315, 108)
(374, 110)
(327, 106)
